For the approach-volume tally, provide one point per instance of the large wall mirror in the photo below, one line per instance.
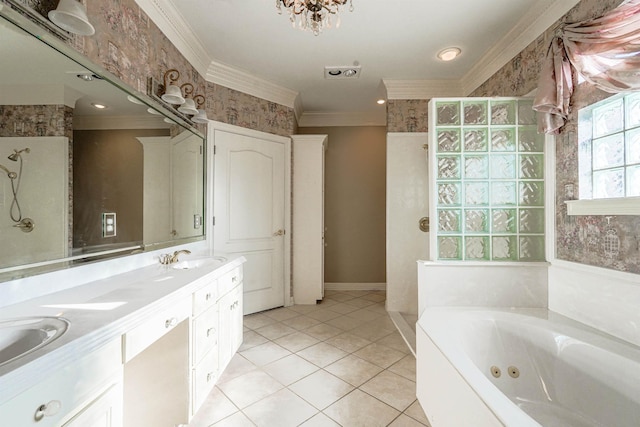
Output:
(87, 169)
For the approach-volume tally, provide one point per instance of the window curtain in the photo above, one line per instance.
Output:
(605, 51)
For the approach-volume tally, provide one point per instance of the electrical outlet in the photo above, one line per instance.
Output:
(197, 221)
(109, 224)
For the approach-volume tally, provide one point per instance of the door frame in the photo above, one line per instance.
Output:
(287, 298)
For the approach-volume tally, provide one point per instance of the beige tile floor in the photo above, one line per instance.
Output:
(338, 363)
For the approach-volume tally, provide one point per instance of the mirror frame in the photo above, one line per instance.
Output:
(39, 28)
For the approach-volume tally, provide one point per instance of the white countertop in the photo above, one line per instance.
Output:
(115, 306)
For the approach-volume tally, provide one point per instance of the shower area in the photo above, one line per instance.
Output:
(33, 219)
(470, 191)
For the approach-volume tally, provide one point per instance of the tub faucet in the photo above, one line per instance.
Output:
(174, 257)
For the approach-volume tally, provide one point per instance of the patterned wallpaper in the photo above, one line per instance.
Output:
(129, 45)
(35, 120)
(407, 115)
(237, 108)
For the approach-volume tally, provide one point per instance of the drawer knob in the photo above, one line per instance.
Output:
(234, 279)
(211, 331)
(47, 410)
(209, 376)
(207, 297)
(170, 323)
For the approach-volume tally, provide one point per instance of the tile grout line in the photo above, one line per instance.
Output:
(280, 318)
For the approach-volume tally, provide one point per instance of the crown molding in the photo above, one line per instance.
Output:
(329, 119)
(421, 89)
(169, 20)
(242, 81)
(536, 21)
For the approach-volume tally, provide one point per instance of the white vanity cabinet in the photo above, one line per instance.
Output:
(105, 411)
(230, 315)
(162, 358)
(216, 331)
(204, 343)
(87, 393)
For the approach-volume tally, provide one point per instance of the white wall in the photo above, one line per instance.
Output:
(407, 202)
(605, 299)
(43, 196)
(482, 284)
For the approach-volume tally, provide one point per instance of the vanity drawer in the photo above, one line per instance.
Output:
(205, 297)
(145, 334)
(66, 391)
(205, 375)
(205, 333)
(229, 281)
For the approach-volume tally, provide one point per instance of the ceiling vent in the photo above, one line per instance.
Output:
(347, 72)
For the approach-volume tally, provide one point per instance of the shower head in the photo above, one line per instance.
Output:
(16, 153)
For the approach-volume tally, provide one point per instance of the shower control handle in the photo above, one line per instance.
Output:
(26, 225)
(423, 224)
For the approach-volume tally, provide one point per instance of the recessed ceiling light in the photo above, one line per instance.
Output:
(99, 106)
(449, 54)
(350, 72)
(380, 101)
(334, 72)
(87, 77)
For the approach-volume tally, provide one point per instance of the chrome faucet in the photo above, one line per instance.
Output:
(166, 259)
(174, 257)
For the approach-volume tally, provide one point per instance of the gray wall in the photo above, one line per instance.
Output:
(355, 203)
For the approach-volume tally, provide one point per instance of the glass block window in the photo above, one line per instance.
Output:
(609, 148)
(489, 179)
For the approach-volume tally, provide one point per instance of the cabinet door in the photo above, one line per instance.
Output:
(105, 411)
(224, 331)
(236, 319)
(230, 325)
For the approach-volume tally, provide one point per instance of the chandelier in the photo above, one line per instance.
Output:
(313, 15)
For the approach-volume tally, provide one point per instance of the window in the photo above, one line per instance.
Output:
(609, 157)
(610, 148)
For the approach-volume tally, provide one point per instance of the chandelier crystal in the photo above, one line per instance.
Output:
(313, 15)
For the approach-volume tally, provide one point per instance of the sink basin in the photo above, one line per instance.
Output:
(21, 336)
(189, 264)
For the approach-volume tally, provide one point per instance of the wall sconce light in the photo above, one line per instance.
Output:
(71, 15)
(189, 106)
(201, 116)
(172, 93)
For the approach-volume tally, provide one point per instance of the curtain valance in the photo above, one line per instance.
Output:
(605, 51)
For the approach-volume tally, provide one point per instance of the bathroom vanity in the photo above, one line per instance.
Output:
(142, 348)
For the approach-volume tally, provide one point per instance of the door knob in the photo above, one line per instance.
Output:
(278, 233)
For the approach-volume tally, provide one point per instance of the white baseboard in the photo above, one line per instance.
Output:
(355, 286)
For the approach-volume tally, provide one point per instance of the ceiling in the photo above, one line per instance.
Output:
(240, 40)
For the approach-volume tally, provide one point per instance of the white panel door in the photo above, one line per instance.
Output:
(407, 203)
(249, 210)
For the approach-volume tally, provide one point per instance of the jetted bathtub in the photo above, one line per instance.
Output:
(523, 368)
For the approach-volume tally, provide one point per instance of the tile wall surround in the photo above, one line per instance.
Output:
(130, 46)
(476, 284)
(579, 239)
